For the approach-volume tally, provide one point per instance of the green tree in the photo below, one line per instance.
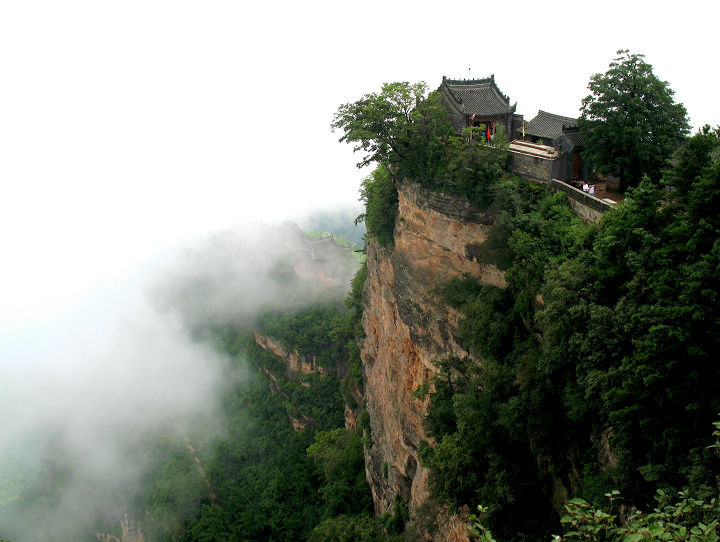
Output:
(428, 145)
(377, 121)
(410, 136)
(344, 528)
(339, 454)
(631, 122)
(380, 197)
(688, 519)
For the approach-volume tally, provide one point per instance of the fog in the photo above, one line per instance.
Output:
(230, 276)
(85, 396)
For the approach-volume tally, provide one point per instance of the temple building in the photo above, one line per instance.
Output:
(547, 147)
(545, 127)
(570, 165)
(563, 134)
(478, 102)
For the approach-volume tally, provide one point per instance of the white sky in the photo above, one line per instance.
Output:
(128, 126)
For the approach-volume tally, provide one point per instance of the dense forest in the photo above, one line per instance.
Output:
(277, 462)
(598, 361)
(286, 467)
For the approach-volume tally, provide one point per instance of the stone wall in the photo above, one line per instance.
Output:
(584, 205)
(531, 167)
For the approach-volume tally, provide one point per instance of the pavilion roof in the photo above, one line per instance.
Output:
(574, 136)
(479, 97)
(548, 125)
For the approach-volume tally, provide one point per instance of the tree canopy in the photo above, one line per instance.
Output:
(631, 122)
(377, 121)
(598, 361)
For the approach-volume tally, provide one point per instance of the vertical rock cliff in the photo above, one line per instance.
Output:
(407, 326)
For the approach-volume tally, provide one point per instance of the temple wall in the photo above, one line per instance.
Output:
(531, 167)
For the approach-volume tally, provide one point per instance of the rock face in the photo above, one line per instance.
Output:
(407, 326)
(293, 360)
(295, 364)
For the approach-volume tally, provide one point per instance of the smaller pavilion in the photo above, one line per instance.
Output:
(564, 135)
(546, 127)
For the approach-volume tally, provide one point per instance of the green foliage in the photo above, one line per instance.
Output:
(312, 331)
(269, 481)
(409, 136)
(452, 473)
(478, 532)
(474, 170)
(339, 454)
(352, 384)
(394, 522)
(380, 197)
(437, 158)
(482, 416)
(354, 300)
(716, 434)
(631, 123)
(14, 476)
(426, 147)
(597, 362)
(376, 122)
(440, 419)
(347, 528)
(176, 493)
(266, 485)
(688, 519)
(364, 425)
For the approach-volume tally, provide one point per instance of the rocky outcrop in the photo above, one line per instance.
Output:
(298, 420)
(439, 234)
(294, 362)
(407, 326)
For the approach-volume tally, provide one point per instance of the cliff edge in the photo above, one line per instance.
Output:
(407, 325)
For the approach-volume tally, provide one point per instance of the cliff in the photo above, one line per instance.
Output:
(294, 361)
(407, 326)
(297, 364)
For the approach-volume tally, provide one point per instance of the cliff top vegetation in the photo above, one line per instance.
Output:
(408, 135)
(597, 364)
(596, 367)
(630, 120)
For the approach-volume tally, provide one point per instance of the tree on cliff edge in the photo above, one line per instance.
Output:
(631, 122)
(378, 121)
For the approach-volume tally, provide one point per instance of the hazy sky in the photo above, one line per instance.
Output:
(125, 126)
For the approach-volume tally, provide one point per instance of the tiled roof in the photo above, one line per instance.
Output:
(575, 137)
(548, 125)
(477, 96)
